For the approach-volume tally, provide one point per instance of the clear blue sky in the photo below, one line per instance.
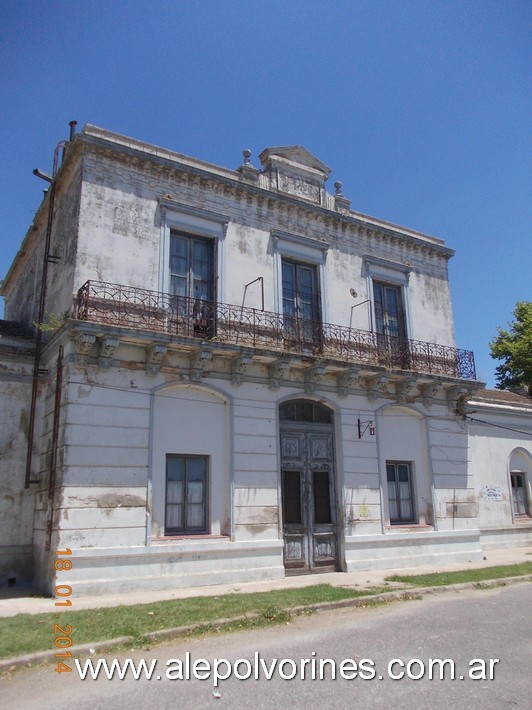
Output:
(421, 108)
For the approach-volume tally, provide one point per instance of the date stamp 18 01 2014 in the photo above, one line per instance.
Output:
(62, 633)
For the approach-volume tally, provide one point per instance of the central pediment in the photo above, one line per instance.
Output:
(296, 156)
(293, 169)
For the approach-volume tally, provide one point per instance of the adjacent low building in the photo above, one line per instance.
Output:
(238, 377)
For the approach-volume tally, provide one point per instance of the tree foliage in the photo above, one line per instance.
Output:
(514, 347)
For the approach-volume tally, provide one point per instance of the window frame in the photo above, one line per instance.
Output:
(186, 530)
(308, 251)
(388, 273)
(196, 222)
(401, 521)
(386, 312)
(191, 240)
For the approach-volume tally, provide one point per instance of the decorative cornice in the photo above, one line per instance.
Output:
(154, 357)
(83, 346)
(345, 380)
(239, 366)
(199, 363)
(233, 180)
(375, 385)
(176, 206)
(403, 389)
(277, 371)
(313, 377)
(108, 346)
(279, 234)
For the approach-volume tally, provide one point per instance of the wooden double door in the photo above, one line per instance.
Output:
(309, 499)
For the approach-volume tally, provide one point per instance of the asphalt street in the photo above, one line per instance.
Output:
(389, 654)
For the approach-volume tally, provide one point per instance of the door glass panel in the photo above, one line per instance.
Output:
(186, 493)
(400, 498)
(389, 313)
(292, 497)
(322, 497)
(518, 493)
(175, 486)
(191, 266)
(300, 300)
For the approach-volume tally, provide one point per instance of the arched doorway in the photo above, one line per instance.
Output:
(308, 481)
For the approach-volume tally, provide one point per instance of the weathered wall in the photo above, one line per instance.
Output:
(120, 241)
(22, 291)
(16, 504)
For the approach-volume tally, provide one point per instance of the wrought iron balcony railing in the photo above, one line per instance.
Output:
(139, 308)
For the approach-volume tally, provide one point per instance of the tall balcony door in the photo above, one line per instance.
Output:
(192, 282)
(309, 499)
(390, 323)
(301, 303)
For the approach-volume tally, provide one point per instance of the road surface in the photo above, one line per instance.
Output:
(383, 657)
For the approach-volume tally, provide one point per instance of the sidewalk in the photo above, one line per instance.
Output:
(21, 601)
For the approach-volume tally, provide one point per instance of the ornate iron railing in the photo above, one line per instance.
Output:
(139, 308)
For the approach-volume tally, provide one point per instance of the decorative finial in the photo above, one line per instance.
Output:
(338, 188)
(247, 155)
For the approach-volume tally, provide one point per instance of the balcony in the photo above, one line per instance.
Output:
(141, 309)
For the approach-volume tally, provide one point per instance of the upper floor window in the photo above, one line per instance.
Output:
(191, 266)
(300, 290)
(389, 310)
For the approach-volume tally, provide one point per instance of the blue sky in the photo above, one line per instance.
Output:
(421, 108)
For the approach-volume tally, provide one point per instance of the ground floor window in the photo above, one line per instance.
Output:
(400, 492)
(186, 494)
(519, 493)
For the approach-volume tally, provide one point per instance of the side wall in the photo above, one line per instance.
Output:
(16, 504)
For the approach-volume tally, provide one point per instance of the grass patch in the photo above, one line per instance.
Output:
(27, 633)
(439, 579)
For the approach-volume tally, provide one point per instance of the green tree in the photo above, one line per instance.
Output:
(514, 347)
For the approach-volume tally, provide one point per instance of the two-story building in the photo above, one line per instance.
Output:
(237, 378)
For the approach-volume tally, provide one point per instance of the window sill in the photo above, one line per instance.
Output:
(406, 527)
(189, 536)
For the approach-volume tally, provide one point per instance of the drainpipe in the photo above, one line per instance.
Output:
(48, 258)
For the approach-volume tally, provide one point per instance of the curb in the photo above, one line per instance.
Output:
(411, 593)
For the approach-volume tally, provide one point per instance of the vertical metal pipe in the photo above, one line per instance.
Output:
(38, 340)
(55, 443)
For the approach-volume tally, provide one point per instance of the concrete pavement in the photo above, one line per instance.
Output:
(24, 601)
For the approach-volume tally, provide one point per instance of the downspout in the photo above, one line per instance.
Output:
(55, 442)
(48, 258)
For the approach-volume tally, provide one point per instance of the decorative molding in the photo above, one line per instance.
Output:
(83, 345)
(313, 377)
(199, 364)
(403, 389)
(345, 380)
(375, 385)
(108, 346)
(239, 366)
(154, 357)
(375, 261)
(278, 234)
(428, 392)
(455, 395)
(175, 206)
(137, 154)
(277, 371)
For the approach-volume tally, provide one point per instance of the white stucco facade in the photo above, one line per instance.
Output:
(312, 412)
